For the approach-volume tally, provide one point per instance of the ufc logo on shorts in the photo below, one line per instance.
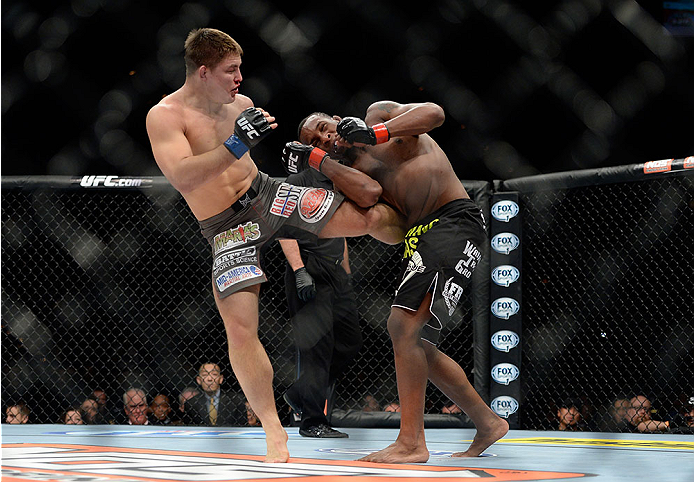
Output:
(246, 126)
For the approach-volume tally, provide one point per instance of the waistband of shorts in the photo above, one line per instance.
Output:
(242, 202)
(450, 207)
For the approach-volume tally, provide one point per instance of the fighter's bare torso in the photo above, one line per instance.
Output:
(206, 129)
(416, 175)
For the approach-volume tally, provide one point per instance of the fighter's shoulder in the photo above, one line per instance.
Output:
(171, 103)
(168, 109)
(382, 110)
(242, 102)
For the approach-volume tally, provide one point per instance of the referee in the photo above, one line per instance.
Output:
(324, 319)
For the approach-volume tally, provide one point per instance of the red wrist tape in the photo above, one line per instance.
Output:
(315, 159)
(382, 134)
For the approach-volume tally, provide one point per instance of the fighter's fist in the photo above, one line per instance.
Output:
(251, 127)
(297, 157)
(354, 130)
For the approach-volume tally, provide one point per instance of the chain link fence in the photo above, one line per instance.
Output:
(110, 289)
(608, 298)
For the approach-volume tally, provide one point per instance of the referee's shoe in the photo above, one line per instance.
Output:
(322, 431)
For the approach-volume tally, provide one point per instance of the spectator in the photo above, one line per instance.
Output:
(105, 413)
(569, 417)
(638, 417)
(370, 404)
(613, 420)
(392, 407)
(688, 413)
(251, 417)
(17, 413)
(185, 395)
(452, 409)
(682, 419)
(72, 416)
(135, 407)
(90, 411)
(619, 408)
(100, 396)
(161, 411)
(214, 407)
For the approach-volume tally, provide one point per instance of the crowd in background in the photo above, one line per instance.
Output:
(189, 407)
(625, 414)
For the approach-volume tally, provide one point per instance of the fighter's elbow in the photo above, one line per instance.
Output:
(370, 194)
(182, 187)
(436, 114)
(182, 184)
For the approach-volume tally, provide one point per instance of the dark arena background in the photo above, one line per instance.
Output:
(580, 110)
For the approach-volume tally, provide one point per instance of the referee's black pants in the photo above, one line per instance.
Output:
(326, 335)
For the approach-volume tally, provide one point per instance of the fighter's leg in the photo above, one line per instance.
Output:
(380, 221)
(450, 378)
(252, 366)
(411, 372)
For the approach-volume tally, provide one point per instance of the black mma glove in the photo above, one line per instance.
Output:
(353, 129)
(251, 127)
(297, 157)
(305, 286)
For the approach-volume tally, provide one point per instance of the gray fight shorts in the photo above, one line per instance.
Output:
(265, 210)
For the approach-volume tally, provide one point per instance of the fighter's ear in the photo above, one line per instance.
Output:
(337, 118)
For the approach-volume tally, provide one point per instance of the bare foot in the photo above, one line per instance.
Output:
(484, 438)
(398, 453)
(277, 451)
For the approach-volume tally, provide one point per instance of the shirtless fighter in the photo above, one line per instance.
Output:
(442, 247)
(240, 208)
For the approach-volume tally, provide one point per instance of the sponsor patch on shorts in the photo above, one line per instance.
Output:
(232, 258)
(451, 294)
(414, 265)
(314, 204)
(237, 275)
(286, 200)
(235, 237)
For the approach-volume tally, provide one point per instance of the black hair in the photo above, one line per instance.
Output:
(303, 121)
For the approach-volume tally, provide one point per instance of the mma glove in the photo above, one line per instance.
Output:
(297, 157)
(353, 129)
(251, 127)
(305, 286)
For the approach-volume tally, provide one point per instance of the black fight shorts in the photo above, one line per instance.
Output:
(237, 233)
(441, 252)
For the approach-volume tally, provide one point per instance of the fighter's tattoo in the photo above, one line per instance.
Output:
(386, 106)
